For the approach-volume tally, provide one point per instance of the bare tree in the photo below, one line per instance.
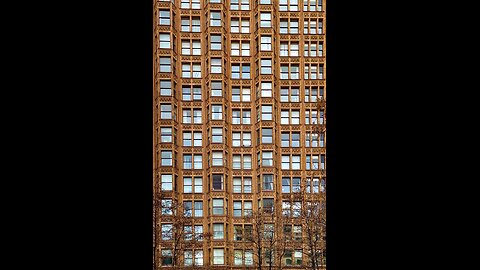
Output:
(313, 215)
(177, 234)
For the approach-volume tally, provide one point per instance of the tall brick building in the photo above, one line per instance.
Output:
(239, 117)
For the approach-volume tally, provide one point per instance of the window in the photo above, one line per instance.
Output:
(295, 139)
(165, 64)
(247, 162)
(166, 182)
(314, 140)
(240, 48)
(238, 257)
(217, 135)
(297, 232)
(312, 162)
(285, 181)
(218, 231)
(295, 162)
(237, 208)
(268, 182)
(265, 66)
(309, 185)
(216, 87)
(267, 112)
(265, 43)
(311, 116)
(312, 26)
(165, 134)
(217, 159)
(197, 118)
(240, 94)
(312, 5)
(286, 208)
(167, 257)
(187, 209)
(187, 161)
(265, 19)
(288, 26)
(216, 65)
(187, 232)
(190, 91)
(240, 71)
(297, 257)
(289, 5)
(296, 209)
(247, 208)
(166, 158)
(296, 184)
(268, 230)
(167, 232)
(191, 70)
(265, 2)
(238, 232)
(285, 162)
(190, 24)
(289, 94)
(313, 71)
(285, 139)
(192, 138)
(198, 232)
(217, 206)
(237, 185)
(267, 158)
(295, 120)
(167, 209)
(165, 111)
(191, 47)
(313, 48)
(191, 4)
(289, 72)
(216, 112)
(283, 48)
(241, 117)
(215, 42)
(238, 25)
(247, 232)
(290, 117)
(188, 257)
(187, 185)
(313, 93)
(218, 256)
(164, 41)
(239, 5)
(217, 182)
(215, 19)
(267, 135)
(236, 139)
(289, 49)
(164, 17)
(165, 88)
(187, 116)
(242, 162)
